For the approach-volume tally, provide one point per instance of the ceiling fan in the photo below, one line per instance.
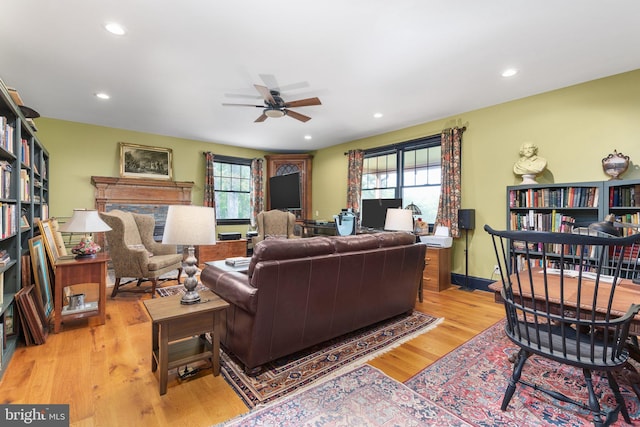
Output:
(274, 106)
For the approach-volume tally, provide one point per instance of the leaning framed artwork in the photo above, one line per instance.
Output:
(41, 274)
(49, 241)
(140, 161)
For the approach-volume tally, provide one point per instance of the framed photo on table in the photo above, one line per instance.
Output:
(139, 161)
(41, 274)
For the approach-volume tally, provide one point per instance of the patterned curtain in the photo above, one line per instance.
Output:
(451, 144)
(209, 189)
(354, 179)
(257, 189)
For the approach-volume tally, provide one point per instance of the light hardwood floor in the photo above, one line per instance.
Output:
(104, 372)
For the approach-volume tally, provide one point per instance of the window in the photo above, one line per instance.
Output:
(232, 185)
(419, 180)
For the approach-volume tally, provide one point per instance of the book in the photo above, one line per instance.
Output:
(238, 261)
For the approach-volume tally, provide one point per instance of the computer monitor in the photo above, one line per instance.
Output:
(374, 212)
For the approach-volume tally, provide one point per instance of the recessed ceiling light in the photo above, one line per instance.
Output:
(307, 137)
(509, 72)
(115, 28)
(102, 95)
(377, 115)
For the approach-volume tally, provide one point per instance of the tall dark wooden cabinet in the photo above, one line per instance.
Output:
(283, 164)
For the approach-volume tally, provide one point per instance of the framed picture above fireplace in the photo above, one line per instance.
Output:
(140, 161)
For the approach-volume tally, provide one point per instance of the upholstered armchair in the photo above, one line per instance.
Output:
(275, 223)
(135, 254)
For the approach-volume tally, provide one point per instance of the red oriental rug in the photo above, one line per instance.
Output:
(471, 380)
(293, 373)
(361, 397)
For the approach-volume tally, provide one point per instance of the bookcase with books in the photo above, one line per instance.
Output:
(623, 198)
(24, 198)
(554, 207)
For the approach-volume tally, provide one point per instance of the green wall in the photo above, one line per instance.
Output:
(574, 128)
(79, 151)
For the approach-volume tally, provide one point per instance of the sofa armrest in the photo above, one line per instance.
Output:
(232, 286)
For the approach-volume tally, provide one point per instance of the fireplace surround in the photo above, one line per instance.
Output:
(148, 196)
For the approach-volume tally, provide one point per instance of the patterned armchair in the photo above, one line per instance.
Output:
(275, 223)
(135, 254)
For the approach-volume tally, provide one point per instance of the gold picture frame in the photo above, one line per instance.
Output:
(46, 230)
(140, 161)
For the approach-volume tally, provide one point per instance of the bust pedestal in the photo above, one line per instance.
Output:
(529, 178)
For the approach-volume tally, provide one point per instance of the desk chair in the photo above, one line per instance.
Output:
(559, 292)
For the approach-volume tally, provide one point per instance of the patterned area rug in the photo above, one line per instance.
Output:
(290, 374)
(361, 397)
(471, 380)
(176, 289)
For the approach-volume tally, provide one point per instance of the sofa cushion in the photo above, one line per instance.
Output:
(358, 242)
(281, 249)
(396, 238)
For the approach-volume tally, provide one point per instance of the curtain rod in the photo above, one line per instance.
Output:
(462, 129)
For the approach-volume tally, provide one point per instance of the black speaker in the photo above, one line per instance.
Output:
(467, 219)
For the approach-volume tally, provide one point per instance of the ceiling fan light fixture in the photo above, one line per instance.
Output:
(273, 113)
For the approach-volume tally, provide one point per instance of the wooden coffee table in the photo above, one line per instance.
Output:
(178, 333)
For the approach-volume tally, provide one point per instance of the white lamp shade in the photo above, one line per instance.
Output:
(85, 221)
(399, 220)
(190, 225)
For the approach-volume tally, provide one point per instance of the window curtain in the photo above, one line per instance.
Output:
(257, 189)
(209, 189)
(354, 179)
(451, 145)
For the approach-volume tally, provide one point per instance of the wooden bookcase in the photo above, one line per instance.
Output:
(24, 196)
(556, 207)
(551, 207)
(283, 164)
(623, 200)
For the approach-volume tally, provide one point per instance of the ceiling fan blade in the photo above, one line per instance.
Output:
(242, 105)
(297, 116)
(266, 93)
(303, 102)
(262, 118)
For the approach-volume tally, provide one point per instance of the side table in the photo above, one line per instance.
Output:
(178, 333)
(74, 271)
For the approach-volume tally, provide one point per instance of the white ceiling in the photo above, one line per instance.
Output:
(413, 61)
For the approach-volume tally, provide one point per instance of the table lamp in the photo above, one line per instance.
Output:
(85, 221)
(607, 226)
(399, 220)
(190, 225)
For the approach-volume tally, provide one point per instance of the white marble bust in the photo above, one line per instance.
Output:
(530, 164)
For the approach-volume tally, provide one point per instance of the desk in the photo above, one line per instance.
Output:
(319, 229)
(76, 271)
(626, 294)
(178, 333)
(437, 270)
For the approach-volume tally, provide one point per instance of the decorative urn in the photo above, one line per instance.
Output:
(615, 164)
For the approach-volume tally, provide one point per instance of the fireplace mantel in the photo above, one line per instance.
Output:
(150, 196)
(135, 191)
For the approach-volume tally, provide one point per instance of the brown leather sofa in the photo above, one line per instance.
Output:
(301, 292)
